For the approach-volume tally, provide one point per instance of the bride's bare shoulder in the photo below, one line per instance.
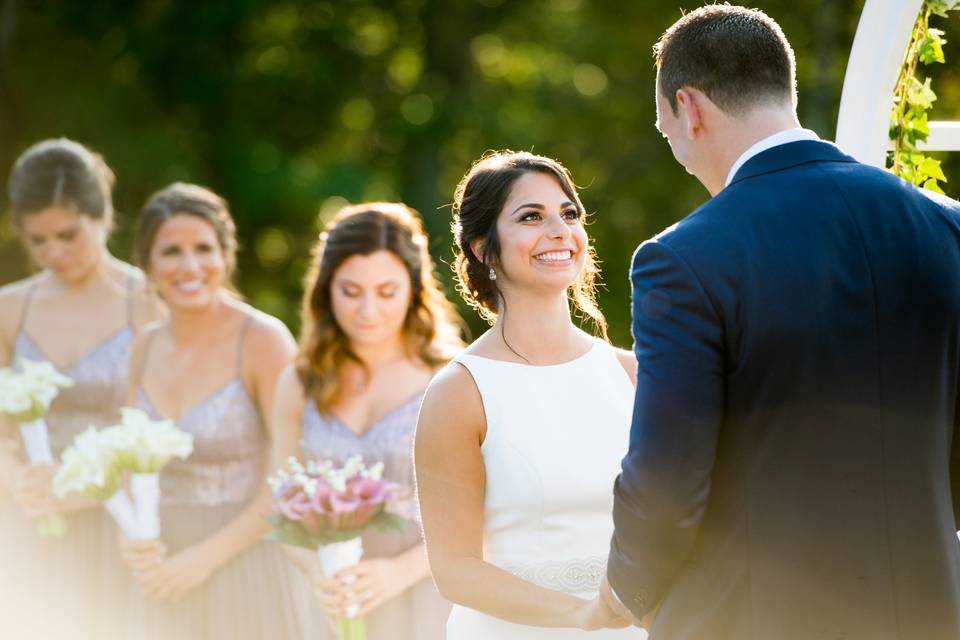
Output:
(452, 399)
(452, 383)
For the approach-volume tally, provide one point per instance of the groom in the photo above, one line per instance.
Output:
(795, 435)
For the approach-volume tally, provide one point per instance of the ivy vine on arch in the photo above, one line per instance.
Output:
(913, 98)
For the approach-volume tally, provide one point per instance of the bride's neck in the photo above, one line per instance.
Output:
(538, 329)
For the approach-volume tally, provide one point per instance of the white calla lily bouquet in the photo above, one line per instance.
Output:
(25, 395)
(98, 462)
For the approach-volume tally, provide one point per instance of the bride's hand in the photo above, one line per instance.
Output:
(596, 614)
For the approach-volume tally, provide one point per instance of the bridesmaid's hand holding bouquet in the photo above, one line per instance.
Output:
(326, 508)
(25, 396)
(99, 462)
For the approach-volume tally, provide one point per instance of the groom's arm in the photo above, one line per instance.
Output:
(955, 466)
(660, 496)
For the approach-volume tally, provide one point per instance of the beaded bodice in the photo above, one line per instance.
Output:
(228, 463)
(99, 386)
(388, 440)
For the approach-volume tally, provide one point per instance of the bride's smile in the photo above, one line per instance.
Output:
(542, 238)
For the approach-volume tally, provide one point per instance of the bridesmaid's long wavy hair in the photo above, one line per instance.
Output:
(431, 329)
(477, 202)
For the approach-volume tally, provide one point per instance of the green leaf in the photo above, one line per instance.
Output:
(293, 533)
(916, 126)
(920, 94)
(931, 185)
(931, 49)
(931, 168)
(939, 7)
(906, 169)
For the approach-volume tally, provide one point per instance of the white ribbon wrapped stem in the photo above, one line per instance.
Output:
(36, 441)
(337, 556)
(120, 508)
(145, 488)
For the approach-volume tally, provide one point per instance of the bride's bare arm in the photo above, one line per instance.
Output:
(450, 481)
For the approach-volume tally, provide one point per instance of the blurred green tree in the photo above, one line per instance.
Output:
(291, 109)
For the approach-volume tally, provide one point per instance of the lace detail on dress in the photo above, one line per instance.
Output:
(578, 575)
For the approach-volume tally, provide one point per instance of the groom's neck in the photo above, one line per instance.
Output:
(734, 135)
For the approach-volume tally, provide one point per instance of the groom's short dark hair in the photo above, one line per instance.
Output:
(738, 57)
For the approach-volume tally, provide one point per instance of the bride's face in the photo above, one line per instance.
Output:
(543, 243)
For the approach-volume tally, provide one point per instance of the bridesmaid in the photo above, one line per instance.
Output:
(80, 313)
(212, 368)
(375, 327)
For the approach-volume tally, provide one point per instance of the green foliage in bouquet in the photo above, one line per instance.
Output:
(296, 534)
(913, 98)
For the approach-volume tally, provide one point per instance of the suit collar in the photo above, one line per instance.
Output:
(789, 155)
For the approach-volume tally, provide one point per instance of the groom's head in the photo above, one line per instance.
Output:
(719, 68)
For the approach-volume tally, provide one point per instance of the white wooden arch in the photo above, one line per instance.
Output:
(875, 60)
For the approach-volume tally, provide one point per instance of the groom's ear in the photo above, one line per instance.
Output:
(689, 110)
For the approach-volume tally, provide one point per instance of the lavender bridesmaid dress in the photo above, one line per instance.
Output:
(257, 594)
(68, 587)
(420, 613)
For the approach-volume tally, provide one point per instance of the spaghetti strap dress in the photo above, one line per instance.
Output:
(257, 594)
(420, 612)
(68, 587)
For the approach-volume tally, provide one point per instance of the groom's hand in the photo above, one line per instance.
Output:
(612, 602)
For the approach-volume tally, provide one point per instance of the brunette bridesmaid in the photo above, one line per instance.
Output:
(79, 312)
(212, 368)
(375, 327)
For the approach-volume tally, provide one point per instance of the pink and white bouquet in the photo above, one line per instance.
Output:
(25, 396)
(326, 508)
(98, 463)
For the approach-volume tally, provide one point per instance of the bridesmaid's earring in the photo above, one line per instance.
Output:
(493, 274)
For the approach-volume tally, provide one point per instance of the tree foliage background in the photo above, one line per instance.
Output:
(291, 109)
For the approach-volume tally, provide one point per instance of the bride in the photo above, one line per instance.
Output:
(520, 438)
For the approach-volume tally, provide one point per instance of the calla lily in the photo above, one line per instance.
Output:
(321, 498)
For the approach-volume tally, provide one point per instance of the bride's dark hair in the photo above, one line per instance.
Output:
(477, 203)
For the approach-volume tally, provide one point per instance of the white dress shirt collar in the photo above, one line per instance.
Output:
(781, 137)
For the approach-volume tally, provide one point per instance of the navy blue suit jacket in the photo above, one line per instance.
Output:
(792, 449)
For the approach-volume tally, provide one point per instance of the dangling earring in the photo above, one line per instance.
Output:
(493, 274)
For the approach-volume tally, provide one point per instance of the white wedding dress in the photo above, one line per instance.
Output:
(555, 438)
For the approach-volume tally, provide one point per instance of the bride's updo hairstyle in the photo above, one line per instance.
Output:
(477, 203)
(61, 172)
(431, 329)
